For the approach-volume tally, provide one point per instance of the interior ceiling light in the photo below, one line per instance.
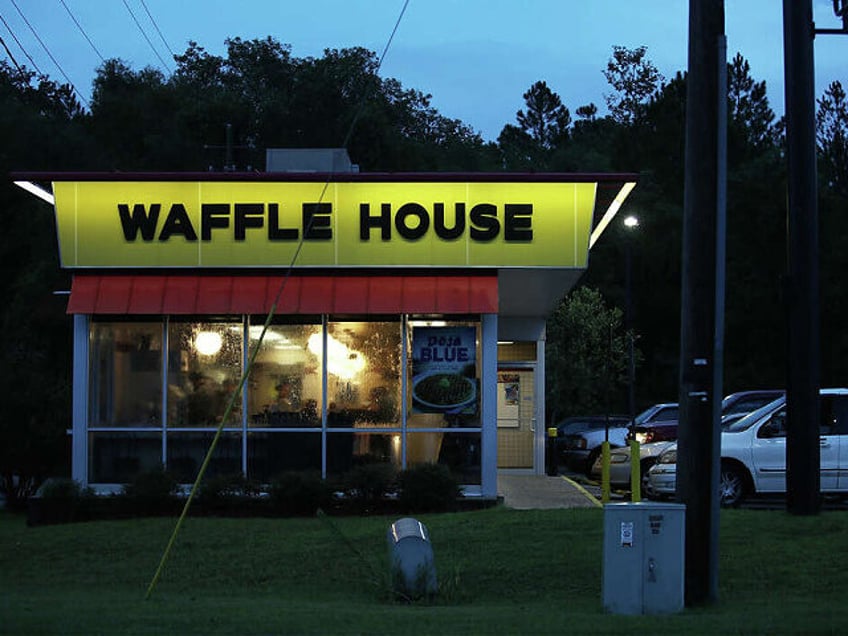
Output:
(343, 362)
(208, 343)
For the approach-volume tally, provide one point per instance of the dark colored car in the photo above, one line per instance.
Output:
(656, 424)
(575, 436)
(664, 427)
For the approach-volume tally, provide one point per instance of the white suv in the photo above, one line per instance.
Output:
(753, 452)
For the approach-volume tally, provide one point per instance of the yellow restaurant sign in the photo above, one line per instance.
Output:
(313, 224)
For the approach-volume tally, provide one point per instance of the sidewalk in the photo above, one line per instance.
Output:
(533, 492)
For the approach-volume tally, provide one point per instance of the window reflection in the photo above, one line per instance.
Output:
(126, 374)
(204, 368)
(363, 374)
(285, 381)
(284, 391)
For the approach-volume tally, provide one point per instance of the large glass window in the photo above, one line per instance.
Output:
(204, 368)
(115, 458)
(126, 374)
(363, 374)
(272, 453)
(186, 452)
(285, 381)
(284, 396)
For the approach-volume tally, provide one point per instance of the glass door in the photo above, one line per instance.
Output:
(516, 422)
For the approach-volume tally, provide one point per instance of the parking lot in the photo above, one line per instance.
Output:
(754, 502)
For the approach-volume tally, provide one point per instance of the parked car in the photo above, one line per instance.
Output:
(581, 449)
(733, 407)
(620, 464)
(655, 424)
(576, 435)
(753, 452)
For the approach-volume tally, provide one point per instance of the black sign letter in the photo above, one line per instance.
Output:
(518, 222)
(484, 222)
(139, 220)
(366, 221)
(316, 222)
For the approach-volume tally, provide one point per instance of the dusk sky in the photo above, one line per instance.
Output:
(476, 57)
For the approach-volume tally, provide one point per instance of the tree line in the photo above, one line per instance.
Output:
(268, 98)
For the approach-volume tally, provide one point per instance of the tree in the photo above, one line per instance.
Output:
(43, 128)
(634, 79)
(542, 128)
(832, 138)
(589, 111)
(546, 119)
(751, 119)
(586, 356)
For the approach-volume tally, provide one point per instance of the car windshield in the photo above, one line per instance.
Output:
(744, 423)
(666, 412)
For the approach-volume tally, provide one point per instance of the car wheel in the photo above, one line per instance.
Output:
(646, 488)
(731, 487)
(590, 461)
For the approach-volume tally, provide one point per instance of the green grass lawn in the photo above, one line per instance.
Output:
(501, 571)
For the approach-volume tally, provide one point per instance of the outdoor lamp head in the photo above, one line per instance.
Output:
(631, 221)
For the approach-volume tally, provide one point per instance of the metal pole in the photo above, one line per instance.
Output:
(628, 327)
(699, 438)
(802, 284)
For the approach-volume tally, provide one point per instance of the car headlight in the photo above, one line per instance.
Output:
(618, 458)
(669, 457)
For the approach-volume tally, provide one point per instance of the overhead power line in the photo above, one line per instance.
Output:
(84, 34)
(50, 55)
(156, 26)
(12, 57)
(147, 39)
(20, 46)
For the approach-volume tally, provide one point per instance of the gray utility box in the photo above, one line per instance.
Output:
(644, 558)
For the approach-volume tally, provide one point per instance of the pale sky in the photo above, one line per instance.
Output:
(476, 57)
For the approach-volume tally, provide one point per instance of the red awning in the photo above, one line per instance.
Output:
(230, 295)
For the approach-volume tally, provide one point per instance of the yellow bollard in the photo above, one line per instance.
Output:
(635, 472)
(605, 477)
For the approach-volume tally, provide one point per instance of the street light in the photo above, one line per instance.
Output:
(631, 223)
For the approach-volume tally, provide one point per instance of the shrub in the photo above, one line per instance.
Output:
(428, 488)
(152, 492)
(59, 500)
(63, 488)
(369, 483)
(226, 490)
(300, 493)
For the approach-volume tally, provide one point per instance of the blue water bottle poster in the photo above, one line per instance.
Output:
(444, 370)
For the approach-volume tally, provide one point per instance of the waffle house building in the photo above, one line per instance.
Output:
(396, 318)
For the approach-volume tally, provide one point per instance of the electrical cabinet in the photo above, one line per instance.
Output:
(644, 558)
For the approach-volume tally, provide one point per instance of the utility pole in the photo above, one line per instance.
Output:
(802, 281)
(803, 455)
(702, 297)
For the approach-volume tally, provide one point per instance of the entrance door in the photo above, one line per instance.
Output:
(516, 421)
